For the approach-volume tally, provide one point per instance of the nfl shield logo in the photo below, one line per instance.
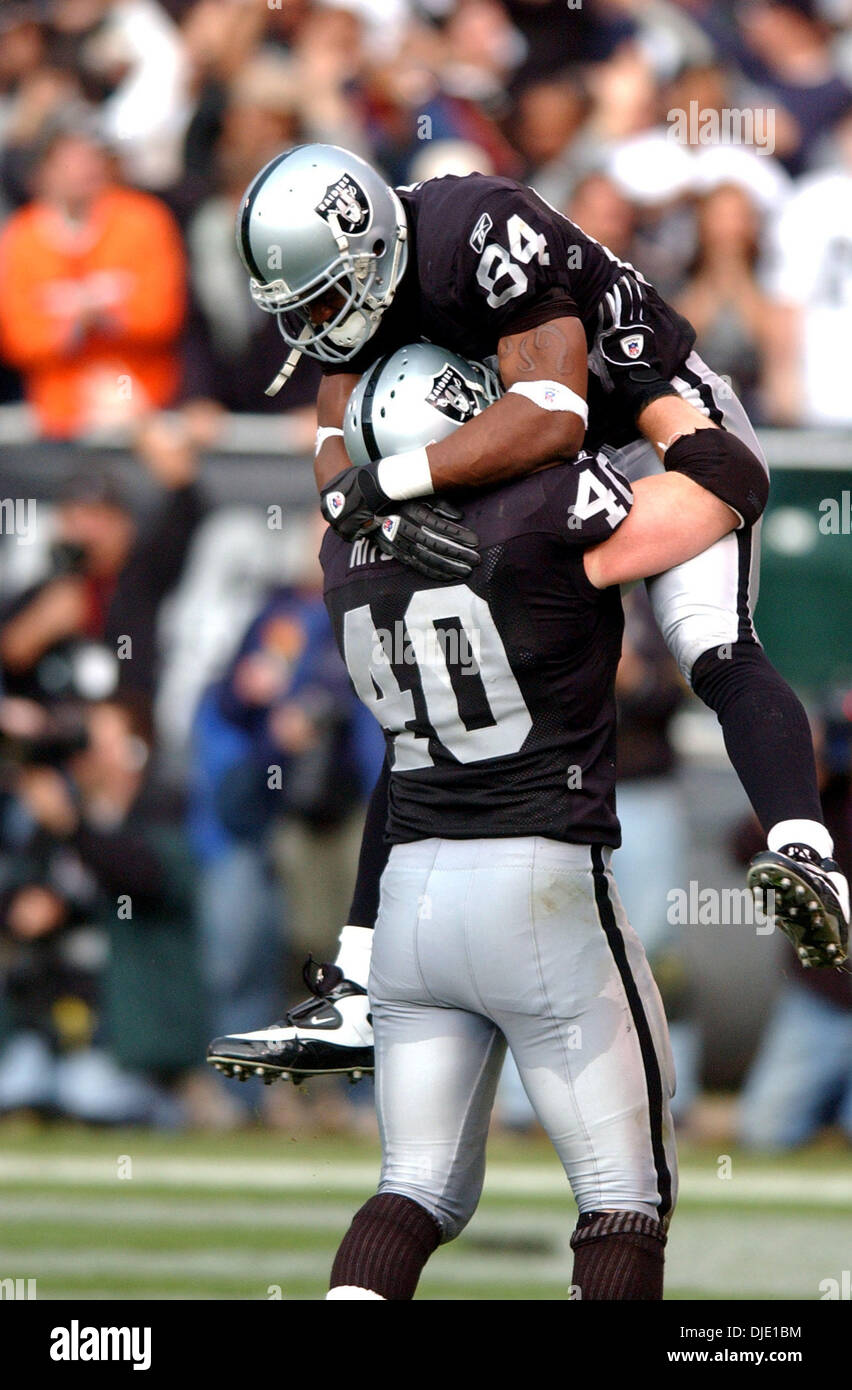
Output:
(335, 502)
(633, 345)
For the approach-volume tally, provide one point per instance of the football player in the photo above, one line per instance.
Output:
(500, 923)
(588, 352)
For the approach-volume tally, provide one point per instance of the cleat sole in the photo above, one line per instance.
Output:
(817, 934)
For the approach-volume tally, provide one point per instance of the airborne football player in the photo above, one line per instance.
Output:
(588, 354)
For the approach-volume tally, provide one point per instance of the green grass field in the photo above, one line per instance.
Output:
(129, 1214)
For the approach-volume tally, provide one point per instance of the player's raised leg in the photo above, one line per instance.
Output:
(704, 609)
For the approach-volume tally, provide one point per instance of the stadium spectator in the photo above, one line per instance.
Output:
(547, 118)
(137, 53)
(233, 349)
(91, 293)
(783, 49)
(736, 322)
(89, 626)
(96, 919)
(600, 209)
(281, 735)
(809, 275)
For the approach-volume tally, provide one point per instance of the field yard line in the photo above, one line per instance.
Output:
(733, 1255)
(753, 1186)
(259, 1269)
(277, 1213)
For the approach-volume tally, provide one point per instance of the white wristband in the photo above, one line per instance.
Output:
(401, 476)
(552, 395)
(323, 433)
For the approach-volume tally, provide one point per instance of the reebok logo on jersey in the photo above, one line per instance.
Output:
(347, 201)
(480, 232)
(335, 502)
(452, 395)
(633, 345)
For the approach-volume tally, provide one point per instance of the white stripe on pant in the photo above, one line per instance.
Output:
(483, 942)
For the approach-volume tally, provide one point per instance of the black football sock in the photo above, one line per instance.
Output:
(618, 1255)
(766, 731)
(386, 1247)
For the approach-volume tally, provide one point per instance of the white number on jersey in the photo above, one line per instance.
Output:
(495, 263)
(487, 664)
(593, 496)
(524, 243)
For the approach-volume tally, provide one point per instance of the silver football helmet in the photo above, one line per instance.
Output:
(315, 220)
(414, 397)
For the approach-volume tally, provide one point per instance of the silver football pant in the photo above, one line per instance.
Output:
(706, 603)
(484, 943)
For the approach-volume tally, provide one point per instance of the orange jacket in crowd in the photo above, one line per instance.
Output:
(91, 315)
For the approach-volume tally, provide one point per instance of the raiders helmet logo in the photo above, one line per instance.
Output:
(347, 201)
(452, 395)
(633, 344)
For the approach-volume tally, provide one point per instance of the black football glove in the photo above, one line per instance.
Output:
(346, 507)
(428, 538)
(627, 357)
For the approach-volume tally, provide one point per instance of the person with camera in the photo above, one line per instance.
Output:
(88, 626)
(95, 920)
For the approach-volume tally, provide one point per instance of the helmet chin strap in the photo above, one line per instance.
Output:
(289, 366)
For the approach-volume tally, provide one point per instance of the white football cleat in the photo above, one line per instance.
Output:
(328, 1034)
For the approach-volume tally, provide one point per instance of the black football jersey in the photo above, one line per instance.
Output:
(496, 695)
(489, 257)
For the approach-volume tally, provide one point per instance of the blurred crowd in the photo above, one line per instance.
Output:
(711, 144)
(183, 766)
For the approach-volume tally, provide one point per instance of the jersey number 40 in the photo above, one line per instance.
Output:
(463, 692)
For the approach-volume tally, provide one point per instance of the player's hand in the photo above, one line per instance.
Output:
(430, 539)
(350, 502)
(627, 357)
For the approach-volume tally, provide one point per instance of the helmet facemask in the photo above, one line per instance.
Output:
(337, 231)
(353, 282)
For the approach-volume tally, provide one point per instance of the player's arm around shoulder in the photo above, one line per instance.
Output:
(713, 484)
(672, 520)
(541, 417)
(330, 457)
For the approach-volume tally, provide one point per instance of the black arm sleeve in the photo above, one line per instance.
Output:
(373, 856)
